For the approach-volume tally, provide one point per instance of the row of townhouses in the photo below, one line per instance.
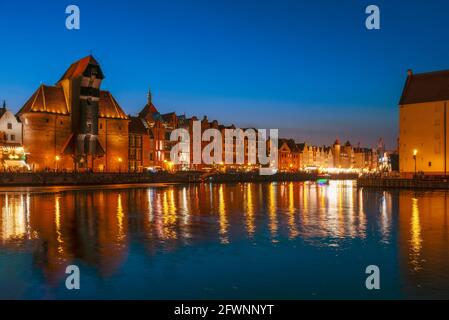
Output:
(74, 125)
(302, 156)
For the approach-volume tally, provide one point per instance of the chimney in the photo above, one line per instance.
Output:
(410, 72)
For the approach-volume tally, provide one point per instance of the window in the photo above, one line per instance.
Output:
(9, 125)
(131, 141)
(13, 137)
(430, 163)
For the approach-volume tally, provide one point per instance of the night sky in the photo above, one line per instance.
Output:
(311, 68)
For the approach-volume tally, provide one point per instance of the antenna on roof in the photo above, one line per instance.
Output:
(149, 97)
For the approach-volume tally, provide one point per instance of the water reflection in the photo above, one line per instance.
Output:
(99, 228)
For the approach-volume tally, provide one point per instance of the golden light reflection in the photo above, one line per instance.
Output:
(15, 217)
(86, 224)
(223, 218)
(169, 214)
(385, 211)
(416, 240)
(272, 211)
(150, 205)
(362, 215)
(58, 224)
(292, 211)
(120, 216)
(250, 224)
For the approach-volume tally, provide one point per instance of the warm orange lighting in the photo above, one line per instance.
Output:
(415, 152)
(120, 160)
(57, 158)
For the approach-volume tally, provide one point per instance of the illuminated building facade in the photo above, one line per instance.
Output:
(74, 125)
(423, 117)
(12, 156)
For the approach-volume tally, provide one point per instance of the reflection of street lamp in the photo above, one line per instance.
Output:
(120, 160)
(415, 152)
(57, 158)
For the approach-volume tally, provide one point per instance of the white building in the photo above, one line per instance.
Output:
(12, 156)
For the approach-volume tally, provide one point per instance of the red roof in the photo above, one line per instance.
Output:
(77, 68)
(148, 109)
(426, 87)
(47, 99)
(51, 99)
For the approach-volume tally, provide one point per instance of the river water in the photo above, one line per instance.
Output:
(292, 240)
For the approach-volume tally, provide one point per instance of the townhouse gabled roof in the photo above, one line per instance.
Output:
(51, 99)
(109, 107)
(148, 110)
(47, 99)
(425, 87)
(290, 144)
(137, 126)
(168, 117)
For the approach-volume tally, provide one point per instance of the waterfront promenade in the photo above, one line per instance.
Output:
(52, 178)
(425, 182)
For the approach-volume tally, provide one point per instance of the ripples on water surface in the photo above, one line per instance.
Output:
(280, 240)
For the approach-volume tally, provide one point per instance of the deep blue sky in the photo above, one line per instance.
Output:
(309, 68)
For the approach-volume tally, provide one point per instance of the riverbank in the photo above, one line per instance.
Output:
(398, 183)
(63, 179)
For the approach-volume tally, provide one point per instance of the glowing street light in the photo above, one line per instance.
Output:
(415, 152)
(57, 158)
(120, 160)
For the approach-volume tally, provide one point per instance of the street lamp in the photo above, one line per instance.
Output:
(57, 158)
(120, 160)
(415, 152)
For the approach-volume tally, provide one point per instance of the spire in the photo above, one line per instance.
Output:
(149, 97)
(4, 105)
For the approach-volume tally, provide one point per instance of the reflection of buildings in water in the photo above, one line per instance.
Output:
(423, 238)
(331, 211)
(15, 217)
(90, 226)
(95, 226)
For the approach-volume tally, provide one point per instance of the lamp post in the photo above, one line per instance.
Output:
(57, 158)
(120, 165)
(415, 152)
